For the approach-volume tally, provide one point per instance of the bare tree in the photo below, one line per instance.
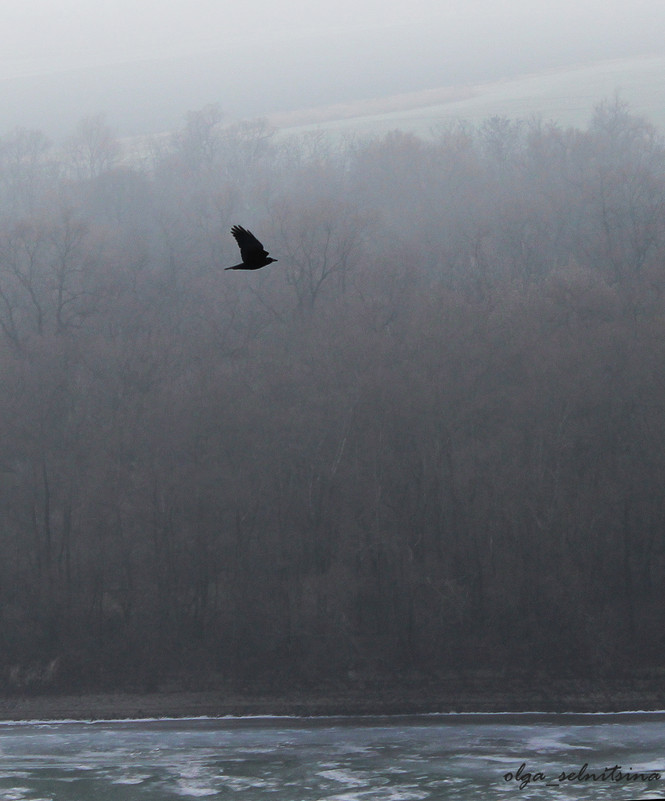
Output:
(93, 148)
(199, 143)
(319, 242)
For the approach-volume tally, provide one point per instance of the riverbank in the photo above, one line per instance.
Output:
(478, 694)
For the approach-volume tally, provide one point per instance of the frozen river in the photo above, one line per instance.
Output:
(338, 759)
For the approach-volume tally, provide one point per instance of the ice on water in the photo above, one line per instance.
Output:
(400, 759)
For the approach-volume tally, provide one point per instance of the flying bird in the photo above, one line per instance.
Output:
(252, 252)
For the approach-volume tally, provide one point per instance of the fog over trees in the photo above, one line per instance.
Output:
(431, 437)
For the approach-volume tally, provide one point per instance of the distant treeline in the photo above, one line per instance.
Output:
(431, 437)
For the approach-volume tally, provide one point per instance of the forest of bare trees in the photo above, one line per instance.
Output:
(430, 438)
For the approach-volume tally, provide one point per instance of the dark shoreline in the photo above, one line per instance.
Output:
(547, 698)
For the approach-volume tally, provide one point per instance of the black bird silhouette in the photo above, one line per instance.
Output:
(253, 254)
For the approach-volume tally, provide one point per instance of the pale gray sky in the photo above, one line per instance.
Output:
(43, 35)
(257, 56)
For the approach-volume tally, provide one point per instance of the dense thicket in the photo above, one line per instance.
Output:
(431, 437)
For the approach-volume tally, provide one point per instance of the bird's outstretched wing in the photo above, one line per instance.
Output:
(251, 250)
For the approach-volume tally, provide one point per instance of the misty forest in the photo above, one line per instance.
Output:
(430, 438)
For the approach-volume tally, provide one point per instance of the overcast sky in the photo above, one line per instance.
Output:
(260, 55)
(42, 34)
